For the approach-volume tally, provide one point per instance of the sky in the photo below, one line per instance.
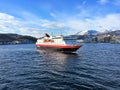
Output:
(36, 17)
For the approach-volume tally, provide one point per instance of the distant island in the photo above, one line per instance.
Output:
(92, 36)
(89, 36)
(16, 39)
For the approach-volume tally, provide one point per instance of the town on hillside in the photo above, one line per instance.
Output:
(93, 36)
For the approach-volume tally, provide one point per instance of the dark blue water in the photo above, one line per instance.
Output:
(94, 67)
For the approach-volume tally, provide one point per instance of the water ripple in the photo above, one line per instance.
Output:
(93, 67)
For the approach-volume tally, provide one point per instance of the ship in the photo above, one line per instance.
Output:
(58, 43)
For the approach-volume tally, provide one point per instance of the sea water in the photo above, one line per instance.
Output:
(93, 67)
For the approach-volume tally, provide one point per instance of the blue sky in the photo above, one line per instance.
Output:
(35, 17)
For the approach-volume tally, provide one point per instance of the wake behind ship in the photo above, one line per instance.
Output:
(58, 43)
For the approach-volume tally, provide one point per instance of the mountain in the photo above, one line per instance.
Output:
(95, 36)
(116, 32)
(16, 39)
(88, 32)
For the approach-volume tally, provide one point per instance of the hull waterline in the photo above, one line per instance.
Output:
(61, 48)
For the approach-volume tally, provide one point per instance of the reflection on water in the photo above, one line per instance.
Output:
(58, 59)
(50, 54)
(60, 69)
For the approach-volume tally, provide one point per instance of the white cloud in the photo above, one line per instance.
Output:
(8, 23)
(53, 15)
(52, 25)
(27, 26)
(103, 1)
(109, 22)
(11, 24)
(31, 31)
(4, 16)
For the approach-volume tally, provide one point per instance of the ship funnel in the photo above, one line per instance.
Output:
(47, 35)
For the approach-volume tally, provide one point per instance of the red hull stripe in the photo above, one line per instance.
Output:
(59, 46)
